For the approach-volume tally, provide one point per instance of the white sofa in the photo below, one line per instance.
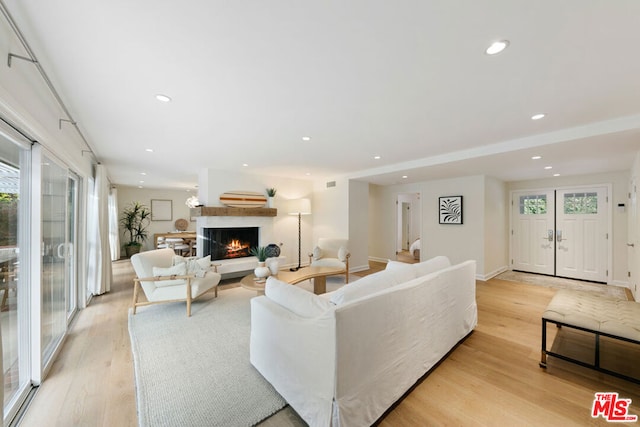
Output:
(343, 358)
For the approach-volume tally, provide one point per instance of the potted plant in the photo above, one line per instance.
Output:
(135, 219)
(271, 193)
(260, 252)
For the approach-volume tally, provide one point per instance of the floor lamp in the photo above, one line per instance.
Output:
(299, 207)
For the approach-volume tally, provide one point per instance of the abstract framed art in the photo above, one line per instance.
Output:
(450, 209)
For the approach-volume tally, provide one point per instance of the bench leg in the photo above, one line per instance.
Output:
(543, 352)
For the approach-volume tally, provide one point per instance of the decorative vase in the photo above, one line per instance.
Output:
(273, 267)
(261, 271)
(269, 202)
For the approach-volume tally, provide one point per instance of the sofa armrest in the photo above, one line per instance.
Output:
(296, 355)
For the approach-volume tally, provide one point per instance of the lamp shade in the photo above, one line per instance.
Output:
(300, 206)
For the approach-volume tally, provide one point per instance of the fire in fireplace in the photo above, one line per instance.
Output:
(229, 243)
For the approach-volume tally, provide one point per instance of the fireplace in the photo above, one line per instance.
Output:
(229, 243)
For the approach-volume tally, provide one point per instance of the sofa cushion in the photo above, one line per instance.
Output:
(363, 287)
(176, 270)
(317, 253)
(295, 299)
(432, 265)
(401, 271)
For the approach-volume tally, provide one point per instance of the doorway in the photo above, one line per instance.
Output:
(562, 232)
(408, 230)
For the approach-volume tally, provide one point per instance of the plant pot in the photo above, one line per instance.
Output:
(132, 250)
(261, 271)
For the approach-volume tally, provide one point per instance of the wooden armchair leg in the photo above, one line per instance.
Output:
(136, 287)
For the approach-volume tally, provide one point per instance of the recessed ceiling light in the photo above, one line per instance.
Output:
(548, 167)
(556, 174)
(497, 47)
(306, 138)
(245, 165)
(140, 186)
(141, 182)
(143, 173)
(376, 157)
(404, 177)
(308, 174)
(163, 98)
(538, 116)
(536, 157)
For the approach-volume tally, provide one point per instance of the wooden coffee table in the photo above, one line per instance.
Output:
(318, 274)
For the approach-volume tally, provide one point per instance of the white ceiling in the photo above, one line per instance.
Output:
(406, 80)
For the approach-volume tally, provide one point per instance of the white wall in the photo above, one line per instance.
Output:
(358, 225)
(496, 230)
(619, 182)
(126, 195)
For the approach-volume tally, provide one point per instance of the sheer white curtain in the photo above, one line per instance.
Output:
(98, 235)
(114, 233)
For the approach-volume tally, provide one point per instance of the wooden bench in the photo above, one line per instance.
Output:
(601, 316)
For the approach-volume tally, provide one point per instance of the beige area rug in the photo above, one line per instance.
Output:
(562, 283)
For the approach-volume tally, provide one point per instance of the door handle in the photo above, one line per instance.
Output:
(549, 236)
(631, 245)
(559, 236)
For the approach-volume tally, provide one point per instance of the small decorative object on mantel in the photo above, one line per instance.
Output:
(450, 209)
(260, 252)
(243, 199)
(271, 193)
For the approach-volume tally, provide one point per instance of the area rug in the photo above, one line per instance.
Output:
(562, 283)
(195, 371)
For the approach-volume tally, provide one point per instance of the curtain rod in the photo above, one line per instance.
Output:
(32, 58)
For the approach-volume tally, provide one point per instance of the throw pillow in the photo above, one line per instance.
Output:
(295, 299)
(176, 270)
(431, 265)
(317, 253)
(342, 254)
(363, 287)
(196, 266)
(401, 271)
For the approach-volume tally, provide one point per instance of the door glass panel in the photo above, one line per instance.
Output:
(54, 215)
(533, 204)
(71, 247)
(13, 311)
(580, 203)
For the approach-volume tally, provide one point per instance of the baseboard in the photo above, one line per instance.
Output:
(358, 268)
(619, 283)
(491, 275)
(376, 259)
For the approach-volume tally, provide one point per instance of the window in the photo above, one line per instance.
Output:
(533, 205)
(580, 203)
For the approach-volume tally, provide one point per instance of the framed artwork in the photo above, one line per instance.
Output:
(161, 210)
(450, 210)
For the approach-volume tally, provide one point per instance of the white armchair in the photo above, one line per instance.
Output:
(162, 281)
(331, 253)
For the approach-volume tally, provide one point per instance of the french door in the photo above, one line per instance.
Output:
(561, 232)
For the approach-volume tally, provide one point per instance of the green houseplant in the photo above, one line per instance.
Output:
(135, 219)
(259, 252)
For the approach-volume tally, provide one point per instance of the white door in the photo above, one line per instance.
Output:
(532, 233)
(581, 233)
(633, 250)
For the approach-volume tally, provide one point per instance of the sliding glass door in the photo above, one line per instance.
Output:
(14, 272)
(54, 250)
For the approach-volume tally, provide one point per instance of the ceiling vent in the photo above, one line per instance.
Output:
(331, 184)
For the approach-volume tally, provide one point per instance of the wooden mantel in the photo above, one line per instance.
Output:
(227, 211)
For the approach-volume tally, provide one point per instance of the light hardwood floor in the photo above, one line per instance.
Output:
(492, 378)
